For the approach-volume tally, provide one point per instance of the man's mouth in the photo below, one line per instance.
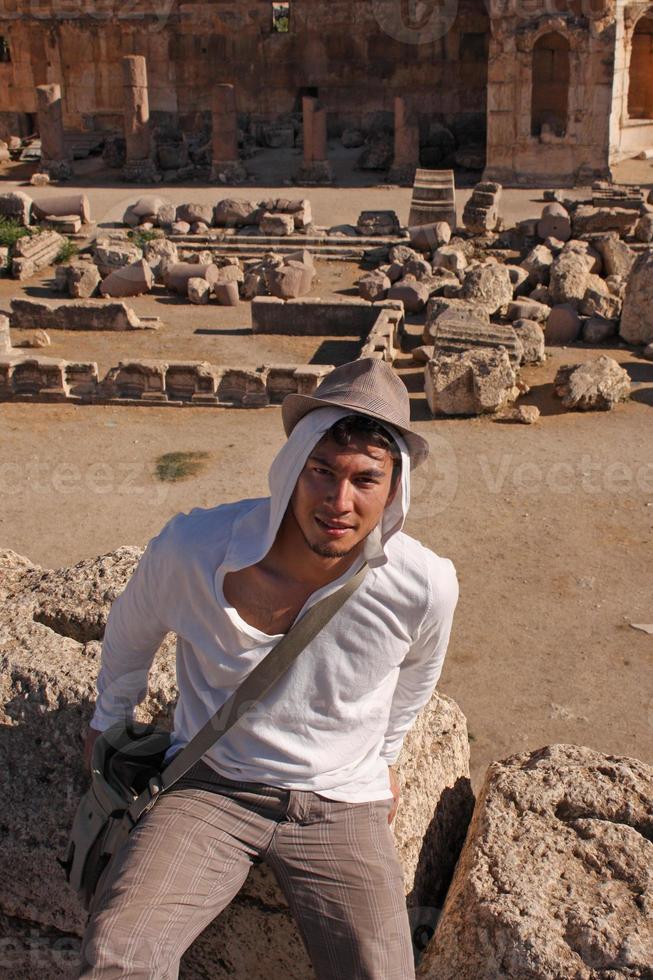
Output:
(334, 529)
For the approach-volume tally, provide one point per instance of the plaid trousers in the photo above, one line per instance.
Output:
(188, 857)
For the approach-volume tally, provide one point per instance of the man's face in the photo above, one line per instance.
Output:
(341, 494)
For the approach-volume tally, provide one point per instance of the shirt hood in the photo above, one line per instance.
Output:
(254, 532)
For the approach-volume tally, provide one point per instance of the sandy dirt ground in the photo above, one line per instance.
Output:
(550, 526)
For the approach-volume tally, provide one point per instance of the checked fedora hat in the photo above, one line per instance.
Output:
(368, 386)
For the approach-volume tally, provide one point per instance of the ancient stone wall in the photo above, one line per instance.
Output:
(357, 55)
(630, 130)
(539, 45)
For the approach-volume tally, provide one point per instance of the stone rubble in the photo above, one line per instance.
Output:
(597, 385)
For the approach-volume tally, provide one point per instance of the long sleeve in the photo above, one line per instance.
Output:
(136, 627)
(421, 668)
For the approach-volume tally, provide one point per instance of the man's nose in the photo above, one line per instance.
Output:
(339, 496)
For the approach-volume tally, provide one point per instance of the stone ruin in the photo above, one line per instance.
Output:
(546, 874)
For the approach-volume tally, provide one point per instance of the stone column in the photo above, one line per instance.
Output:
(55, 160)
(316, 168)
(138, 164)
(406, 154)
(226, 166)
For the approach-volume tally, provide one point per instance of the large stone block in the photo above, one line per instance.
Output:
(474, 382)
(596, 385)
(636, 325)
(92, 315)
(488, 286)
(555, 877)
(130, 280)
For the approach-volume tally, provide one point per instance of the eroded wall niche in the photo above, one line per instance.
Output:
(640, 80)
(550, 87)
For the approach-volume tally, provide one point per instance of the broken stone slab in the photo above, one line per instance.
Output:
(597, 385)
(62, 204)
(159, 254)
(413, 294)
(520, 414)
(291, 280)
(537, 265)
(34, 253)
(636, 326)
(5, 335)
(17, 206)
(177, 274)
(193, 213)
(76, 315)
(554, 877)
(590, 220)
(439, 305)
(481, 212)
(82, 279)
(276, 224)
(554, 223)
(618, 258)
(378, 224)
(115, 252)
(227, 292)
(427, 238)
(455, 331)
(130, 280)
(474, 382)
(563, 325)
(583, 247)
(570, 272)
(374, 285)
(596, 330)
(144, 208)
(531, 337)
(235, 213)
(199, 291)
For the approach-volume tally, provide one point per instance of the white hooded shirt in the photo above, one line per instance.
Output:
(337, 718)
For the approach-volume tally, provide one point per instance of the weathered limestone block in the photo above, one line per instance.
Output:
(292, 279)
(554, 878)
(374, 285)
(115, 252)
(419, 268)
(636, 325)
(528, 309)
(179, 228)
(199, 291)
(538, 265)
(277, 224)
(62, 204)
(599, 301)
(130, 280)
(587, 220)
(439, 305)
(227, 292)
(400, 254)
(176, 276)
(481, 212)
(78, 279)
(426, 238)
(378, 223)
(597, 385)
(235, 213)
(456, 331)
(159, 254)
(531, 336)
(16, 205)
(474, 382)
(450, 257)
(570, 273)
(146, 208)
(585, 248)
(618, 258)
(34, 253)
(488, 286)
(195, 212)
(554, 223)
(413, 294)
(91, 315)
(563, 325)
(644, 228)
(51, 625)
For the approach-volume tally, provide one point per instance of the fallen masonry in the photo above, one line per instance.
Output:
(77, 315)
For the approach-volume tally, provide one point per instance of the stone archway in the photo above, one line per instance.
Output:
(640, 76)
(550, 84)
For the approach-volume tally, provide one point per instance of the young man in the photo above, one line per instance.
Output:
(304, 780)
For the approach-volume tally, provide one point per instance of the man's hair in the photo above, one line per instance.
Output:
(352, 426)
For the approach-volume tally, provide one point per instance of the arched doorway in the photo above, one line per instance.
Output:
(550, 91)
(640, 85)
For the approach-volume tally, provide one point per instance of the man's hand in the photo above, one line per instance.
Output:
(91, 739)
(396, 792)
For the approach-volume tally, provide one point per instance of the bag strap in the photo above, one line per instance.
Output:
(257, 683)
